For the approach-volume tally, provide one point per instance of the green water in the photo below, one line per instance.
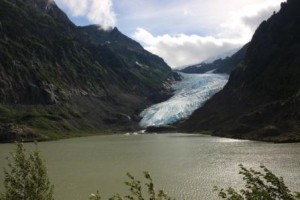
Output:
(186, 166)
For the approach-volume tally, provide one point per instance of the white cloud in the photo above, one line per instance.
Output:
(253, 21)
(186, 49)
(243, 22)
(95, 11)
(182, 32)
(180, 50)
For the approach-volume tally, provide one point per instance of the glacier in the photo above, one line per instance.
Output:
(189, 94)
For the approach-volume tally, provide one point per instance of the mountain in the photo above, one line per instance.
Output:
(222, 65)
(262, 98)
(59, 78)
(223, 55)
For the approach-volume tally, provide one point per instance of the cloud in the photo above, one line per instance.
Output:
(183, 32)
(183, 16)
(95, 11)
(180, 50)
(243, 22)
(232, 33)
(255, 20)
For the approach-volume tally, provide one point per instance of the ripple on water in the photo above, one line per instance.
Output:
(186, 166)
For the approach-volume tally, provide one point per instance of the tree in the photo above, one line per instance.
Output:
(259, 186)
(26, 177)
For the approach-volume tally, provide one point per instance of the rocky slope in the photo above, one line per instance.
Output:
(220, 66)
(57, 77)
(262, 98)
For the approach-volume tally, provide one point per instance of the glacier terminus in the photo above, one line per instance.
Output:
(189, 94)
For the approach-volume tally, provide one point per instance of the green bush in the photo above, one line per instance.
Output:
(27, 177)
(259, 186)
(136, 190)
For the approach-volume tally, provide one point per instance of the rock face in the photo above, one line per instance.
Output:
(220, 66)
(262, 98)
(59, 77)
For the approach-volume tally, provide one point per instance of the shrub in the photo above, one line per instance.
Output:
(136, 190)
(27, 177)
(259, 186)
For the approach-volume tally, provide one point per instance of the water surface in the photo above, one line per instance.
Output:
(187, 166)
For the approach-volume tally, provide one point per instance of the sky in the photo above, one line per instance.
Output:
(182, 32)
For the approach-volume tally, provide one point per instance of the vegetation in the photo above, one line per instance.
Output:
(27, 177)
(259, 185)
(261, 99)
(136, 190)
(263, 185)
(55, 76)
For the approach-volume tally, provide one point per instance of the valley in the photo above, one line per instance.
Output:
(100, 84)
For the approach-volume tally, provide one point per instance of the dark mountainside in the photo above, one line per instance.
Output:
(58, 78)
(221, 66)
(262, 98)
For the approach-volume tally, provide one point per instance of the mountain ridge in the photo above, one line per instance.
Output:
(57, 78)
(219, 66)
(262, 98)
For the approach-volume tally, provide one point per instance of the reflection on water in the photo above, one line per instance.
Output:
(186, 166)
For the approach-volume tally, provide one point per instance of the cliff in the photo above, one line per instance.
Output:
(262, 98)
(58, 78)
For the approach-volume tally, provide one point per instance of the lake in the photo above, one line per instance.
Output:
(186, 166)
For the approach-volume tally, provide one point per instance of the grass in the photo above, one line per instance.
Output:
(57, 135)
(42, 135)
(46, 122)
(205, 132)
(5, 112)
(54, 122)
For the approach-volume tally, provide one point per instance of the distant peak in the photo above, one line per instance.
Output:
(115, 29)
(100, 28)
